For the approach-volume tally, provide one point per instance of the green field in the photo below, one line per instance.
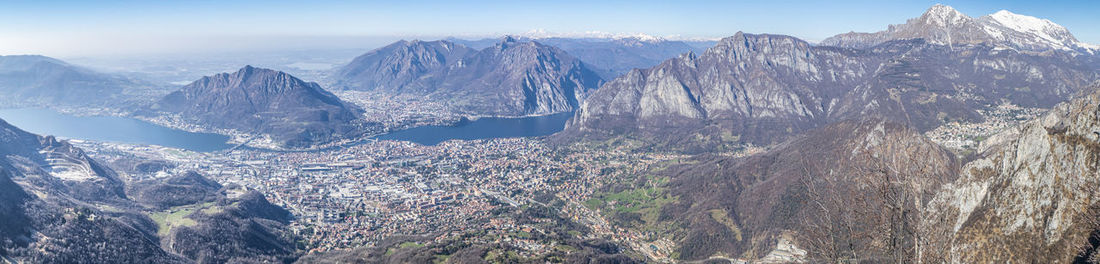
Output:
(179, 216)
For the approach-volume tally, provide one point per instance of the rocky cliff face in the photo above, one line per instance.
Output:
(1030, 198)
(762, 88)
(511, 78)
(296, 113)
(518, 78)
(946, 26)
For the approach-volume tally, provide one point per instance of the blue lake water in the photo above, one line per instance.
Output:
(128, 130)
(484, 128)
(111, 129)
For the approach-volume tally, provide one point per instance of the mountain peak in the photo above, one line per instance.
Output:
(248, 71)
(942, 15)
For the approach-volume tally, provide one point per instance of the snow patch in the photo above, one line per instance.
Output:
(1044, 29)
(542, 34)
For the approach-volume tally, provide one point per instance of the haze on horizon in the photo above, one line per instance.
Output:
(137, 28)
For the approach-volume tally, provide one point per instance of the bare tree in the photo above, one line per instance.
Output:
(868, 206)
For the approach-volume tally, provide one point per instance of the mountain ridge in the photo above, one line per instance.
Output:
(759, 89)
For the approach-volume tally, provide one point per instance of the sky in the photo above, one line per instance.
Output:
(121, 27)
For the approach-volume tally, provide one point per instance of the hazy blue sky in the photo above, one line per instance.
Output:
(75, 28)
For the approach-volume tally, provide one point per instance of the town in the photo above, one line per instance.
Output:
(359, 195)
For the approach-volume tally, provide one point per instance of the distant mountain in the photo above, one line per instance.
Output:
(401, 64)
(762, 88)
(31, 80)
(614, 55)
(60, 206)
(297, 114)
(511, 78)
(946, 26)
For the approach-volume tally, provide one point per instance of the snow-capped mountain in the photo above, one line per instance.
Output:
(944, 25)
(543, 34)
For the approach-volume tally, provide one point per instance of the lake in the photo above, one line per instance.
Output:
(133, 131)
(484, 128)
(111, 129)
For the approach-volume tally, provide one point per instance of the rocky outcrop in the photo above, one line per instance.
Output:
(1031, 197)
(297, 114)
(511, 78)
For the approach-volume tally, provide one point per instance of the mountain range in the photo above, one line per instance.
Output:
(510, 78)
(944, 25)
(759, 89)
